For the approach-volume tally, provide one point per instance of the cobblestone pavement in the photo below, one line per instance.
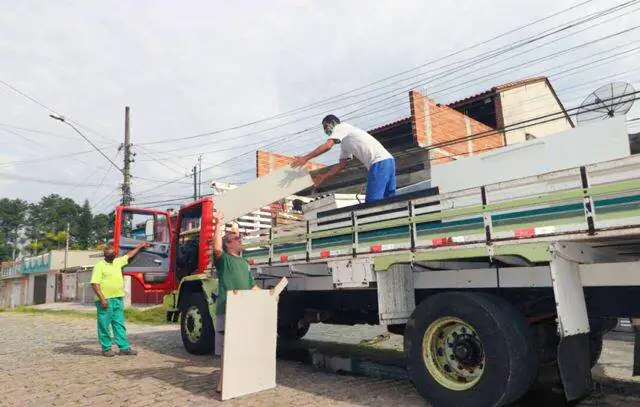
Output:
(49, 360)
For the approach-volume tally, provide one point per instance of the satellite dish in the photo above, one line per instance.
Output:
(610, 100)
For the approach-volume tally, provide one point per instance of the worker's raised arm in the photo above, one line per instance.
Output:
(217, 234)
(300, 161)
(131, 254)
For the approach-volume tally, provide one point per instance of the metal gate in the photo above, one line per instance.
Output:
(39, 289)
(16, 289)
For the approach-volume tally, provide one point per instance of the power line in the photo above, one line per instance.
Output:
(516, 126)
(496, 52)
(45, 181)
(285, 138)
(333, 98)
(48, 158)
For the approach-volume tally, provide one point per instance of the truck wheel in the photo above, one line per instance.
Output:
(294, 330)
(467, 349)
(196, 326)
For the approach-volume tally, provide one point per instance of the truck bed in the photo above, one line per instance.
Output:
(596, 201)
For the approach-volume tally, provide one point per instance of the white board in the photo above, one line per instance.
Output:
(598, 142)
(262, 191)
(249, 357)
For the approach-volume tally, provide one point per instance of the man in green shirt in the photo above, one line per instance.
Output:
(234, 273)
(107, 282)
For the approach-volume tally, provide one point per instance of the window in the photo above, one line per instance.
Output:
(150, 227)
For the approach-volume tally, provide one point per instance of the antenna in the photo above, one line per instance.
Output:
(610, 100)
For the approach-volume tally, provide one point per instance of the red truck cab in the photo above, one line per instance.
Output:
(180, 244)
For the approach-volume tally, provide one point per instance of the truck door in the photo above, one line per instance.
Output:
(134, 226)
(194, 238)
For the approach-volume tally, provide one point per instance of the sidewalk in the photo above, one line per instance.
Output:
(80, 307)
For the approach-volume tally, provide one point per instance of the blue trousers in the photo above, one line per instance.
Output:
(381, 180)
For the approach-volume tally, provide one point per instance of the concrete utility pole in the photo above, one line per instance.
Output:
(126, 185)
(66, 247)
(195, 182)
(200, 176)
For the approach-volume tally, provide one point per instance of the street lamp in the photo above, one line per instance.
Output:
(63, 120)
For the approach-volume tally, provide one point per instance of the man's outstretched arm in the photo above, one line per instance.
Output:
(333, 171)
(131, 254)
(300, 161)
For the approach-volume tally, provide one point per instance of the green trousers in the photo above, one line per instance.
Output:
(112, 316)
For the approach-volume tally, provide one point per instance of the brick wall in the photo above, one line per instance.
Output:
(433, 124)
(267, 162)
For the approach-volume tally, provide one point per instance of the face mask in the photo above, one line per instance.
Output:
(328, 130)
(109, 257)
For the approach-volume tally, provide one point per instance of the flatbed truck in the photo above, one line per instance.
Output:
(486, 284)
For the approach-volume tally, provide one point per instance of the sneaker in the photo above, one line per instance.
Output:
(128, 352)
(108, 353)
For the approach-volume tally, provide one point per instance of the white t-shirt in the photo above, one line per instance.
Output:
(359, 143)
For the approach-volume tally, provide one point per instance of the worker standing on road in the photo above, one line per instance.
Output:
(380, 164)
(234, 273)
(107, 282)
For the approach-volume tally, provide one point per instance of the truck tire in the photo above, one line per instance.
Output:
(196, 326)
(466, 349)
(293, 331)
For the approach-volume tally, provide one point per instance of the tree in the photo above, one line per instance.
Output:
(6, 250)
(13, 216)
(42, 226)
(102, 228)
(47, 219)
(84, 225)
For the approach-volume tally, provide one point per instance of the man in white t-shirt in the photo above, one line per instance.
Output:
(380, 164)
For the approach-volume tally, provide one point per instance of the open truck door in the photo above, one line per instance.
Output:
(180, 245)
(152, 266)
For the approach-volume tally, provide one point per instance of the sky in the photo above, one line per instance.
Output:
(190, 71)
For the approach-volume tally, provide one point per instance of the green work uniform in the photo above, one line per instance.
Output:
(234, 273)
(111, 280)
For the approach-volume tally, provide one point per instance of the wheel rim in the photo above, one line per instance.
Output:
(453, 354)
(193, 324)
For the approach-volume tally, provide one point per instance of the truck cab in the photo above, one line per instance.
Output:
(178, 264)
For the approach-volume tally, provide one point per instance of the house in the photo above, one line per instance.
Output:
(520, 110)
(34, 280)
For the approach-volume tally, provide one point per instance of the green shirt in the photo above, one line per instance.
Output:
(109, 276)
(234, 273)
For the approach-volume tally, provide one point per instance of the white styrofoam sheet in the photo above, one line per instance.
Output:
(598, 142)
(249, 356)
(262, 191)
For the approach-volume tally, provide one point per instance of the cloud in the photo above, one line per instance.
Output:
(190, 70)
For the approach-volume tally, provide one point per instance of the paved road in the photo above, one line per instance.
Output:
(48, 360)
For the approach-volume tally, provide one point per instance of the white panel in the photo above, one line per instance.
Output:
(396, 294)
(262, 191)
(597, 142)
(249, 343)
(569, 294)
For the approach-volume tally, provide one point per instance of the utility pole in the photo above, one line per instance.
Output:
(66, 247)
(195, 182)
(126, 185)
(200, 176)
